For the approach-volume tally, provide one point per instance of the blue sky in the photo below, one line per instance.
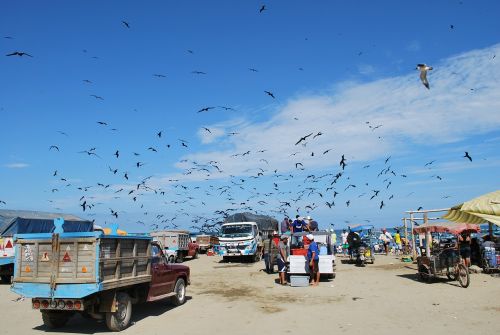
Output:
(336, 68)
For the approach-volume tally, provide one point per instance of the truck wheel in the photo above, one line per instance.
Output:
(119, 320)
(55, 319)
(195, 255)
(171, 259)
(256, 257)
(5, 279)
(180, 258)
(180, 293)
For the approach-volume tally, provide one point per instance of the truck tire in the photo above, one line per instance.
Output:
(55, 319)
(256, 257)
(5, 279)
(119, 320)
(195, 255)
(171, 259)
(180, 258)
(180, 293)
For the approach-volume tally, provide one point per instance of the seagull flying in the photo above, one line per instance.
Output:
(423, 68)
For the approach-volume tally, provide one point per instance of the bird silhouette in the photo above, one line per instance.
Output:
(303, 138)
(468, 156)
(54, 147)
(342, 162)
(126, 24)
(19, 53)
(205, 109)
(270, 94)
(262, 8)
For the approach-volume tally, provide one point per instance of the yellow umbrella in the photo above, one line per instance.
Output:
(483, 209)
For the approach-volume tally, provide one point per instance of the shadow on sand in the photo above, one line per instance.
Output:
(81, 325)
(433, 280)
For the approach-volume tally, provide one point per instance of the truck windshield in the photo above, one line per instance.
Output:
(236, 231)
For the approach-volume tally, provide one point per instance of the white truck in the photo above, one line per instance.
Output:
(239, 240)
(177, 241)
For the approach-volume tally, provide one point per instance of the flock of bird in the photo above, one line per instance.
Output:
(284, 194)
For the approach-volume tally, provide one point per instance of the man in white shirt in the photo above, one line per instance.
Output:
(345, 246)
(386, 237)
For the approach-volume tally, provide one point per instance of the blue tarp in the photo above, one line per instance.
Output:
(30, 222)
(263, 221)
(358, 228)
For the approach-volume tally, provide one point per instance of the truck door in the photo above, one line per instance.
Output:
(160, 271)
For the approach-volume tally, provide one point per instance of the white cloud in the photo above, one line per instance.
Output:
(366, 69)
(16, 165)
(406, 111)
(210, 135)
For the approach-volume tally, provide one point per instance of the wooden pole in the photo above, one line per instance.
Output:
(428, 238)
(406, 232)
(413, 247)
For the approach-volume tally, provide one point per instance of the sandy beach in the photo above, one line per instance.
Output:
(239, 298)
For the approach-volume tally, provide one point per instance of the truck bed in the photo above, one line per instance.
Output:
(88, 262)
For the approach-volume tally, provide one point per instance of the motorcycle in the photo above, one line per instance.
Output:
(358, 255)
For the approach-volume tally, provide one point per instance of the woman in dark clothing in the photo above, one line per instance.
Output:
(464, 241)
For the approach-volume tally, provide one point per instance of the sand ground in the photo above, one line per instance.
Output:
(239, 298)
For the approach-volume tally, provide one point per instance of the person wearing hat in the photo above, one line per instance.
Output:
(281, 258)
(313, 259)
(298, 226)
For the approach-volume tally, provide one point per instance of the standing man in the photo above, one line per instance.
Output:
(298, 226)
(281, 259)
(345, 245)
(285, 225)
(267, 252)
(333, 241)
(397, 240)
(313, 259)
(386, 237)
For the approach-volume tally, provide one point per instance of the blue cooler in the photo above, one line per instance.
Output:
(490, 255)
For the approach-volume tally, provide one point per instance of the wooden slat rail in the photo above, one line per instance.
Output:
(116, 259)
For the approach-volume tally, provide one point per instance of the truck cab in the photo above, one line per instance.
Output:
(240, 239)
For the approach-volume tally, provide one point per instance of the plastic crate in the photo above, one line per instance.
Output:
(299, 281)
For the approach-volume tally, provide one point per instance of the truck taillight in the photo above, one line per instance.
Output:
(78, 304)
(61, 304)
(53, 304)
(36, 304)
(45, 304)
(69, 304)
